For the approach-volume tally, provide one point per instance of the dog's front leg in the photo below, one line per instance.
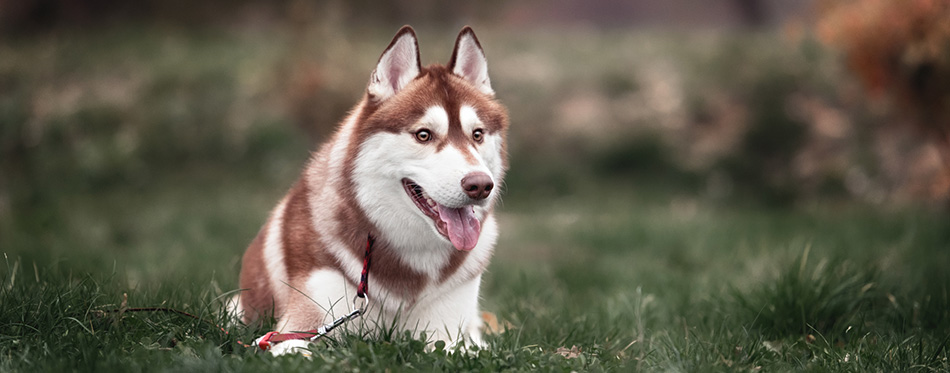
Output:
(451, 315)
(323, 296)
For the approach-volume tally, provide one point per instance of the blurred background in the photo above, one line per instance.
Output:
(152, 136)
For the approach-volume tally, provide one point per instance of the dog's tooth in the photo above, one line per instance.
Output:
(431, 202)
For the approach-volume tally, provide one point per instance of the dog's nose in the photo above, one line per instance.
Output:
(477, 185)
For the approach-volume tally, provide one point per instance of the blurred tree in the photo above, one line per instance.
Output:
(38, 15)
(752, 12)
(900, 50)
(762, 163)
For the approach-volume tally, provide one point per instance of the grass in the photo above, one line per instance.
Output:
(634, 283)
(146, 197)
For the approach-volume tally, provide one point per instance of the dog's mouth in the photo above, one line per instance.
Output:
(459, 225)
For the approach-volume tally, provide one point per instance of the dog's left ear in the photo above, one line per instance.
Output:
(468, 61)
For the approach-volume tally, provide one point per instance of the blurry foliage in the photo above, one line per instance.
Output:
(901, 50)
(35, 15)
(616, 84)
(102, 124)
(641, 157)
(759, 117)
(763, 161)
(125, 105)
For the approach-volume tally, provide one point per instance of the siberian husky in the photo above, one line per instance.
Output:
(416, 165)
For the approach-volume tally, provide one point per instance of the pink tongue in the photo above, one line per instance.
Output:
(462, 226)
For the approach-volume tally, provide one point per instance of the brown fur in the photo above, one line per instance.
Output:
(303, 249)
(258, 297)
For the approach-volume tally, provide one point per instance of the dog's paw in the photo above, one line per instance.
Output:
(294, 346)
(475, 340)
(468, 344)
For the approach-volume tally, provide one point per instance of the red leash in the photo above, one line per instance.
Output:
(270, 338)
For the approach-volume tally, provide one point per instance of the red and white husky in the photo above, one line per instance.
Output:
(415, 165)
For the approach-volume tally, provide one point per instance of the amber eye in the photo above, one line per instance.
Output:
(478, 135)
(423, 135)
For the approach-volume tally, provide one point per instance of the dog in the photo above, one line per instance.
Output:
(415, 166)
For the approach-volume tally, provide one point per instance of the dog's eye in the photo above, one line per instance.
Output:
(423, 135)
(478, 135)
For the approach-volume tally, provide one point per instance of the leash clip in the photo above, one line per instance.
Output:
(361, 303)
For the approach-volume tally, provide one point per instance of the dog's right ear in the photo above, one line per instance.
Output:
(398, 66)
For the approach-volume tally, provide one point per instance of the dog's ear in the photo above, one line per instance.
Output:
(468, 61)
(398, 66)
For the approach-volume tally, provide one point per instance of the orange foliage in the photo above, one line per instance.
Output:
(898, 48)
(883, 40)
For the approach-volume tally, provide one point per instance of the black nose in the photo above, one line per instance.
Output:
(477, 185)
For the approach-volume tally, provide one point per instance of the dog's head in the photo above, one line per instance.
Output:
(431, 144)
